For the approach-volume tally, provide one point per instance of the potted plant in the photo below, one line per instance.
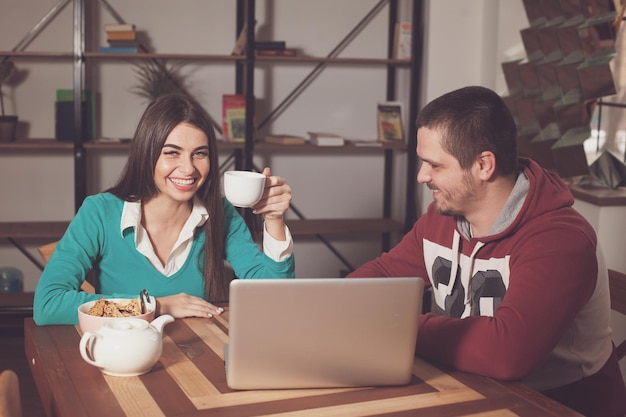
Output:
(157, 78)
(8, 123)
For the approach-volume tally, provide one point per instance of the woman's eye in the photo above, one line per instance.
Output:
(170, 152)
(201, 154)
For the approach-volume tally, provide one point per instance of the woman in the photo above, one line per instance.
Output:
(165, 226)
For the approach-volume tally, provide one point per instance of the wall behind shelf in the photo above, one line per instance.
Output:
(459, 28)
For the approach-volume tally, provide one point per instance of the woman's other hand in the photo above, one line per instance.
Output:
(183, 305)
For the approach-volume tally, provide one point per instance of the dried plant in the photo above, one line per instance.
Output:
(157, 78)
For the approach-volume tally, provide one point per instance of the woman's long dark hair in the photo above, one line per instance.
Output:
(137, 180)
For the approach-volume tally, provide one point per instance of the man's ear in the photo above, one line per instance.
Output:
(486, 163)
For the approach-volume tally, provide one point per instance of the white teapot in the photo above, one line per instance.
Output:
(125, 347)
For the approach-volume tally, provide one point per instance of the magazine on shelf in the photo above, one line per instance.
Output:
(402, 40)
(389, 120)
(234, 117)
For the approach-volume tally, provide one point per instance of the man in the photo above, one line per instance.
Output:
(519, 287)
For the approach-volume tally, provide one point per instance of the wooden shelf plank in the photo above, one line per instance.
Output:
(37, 145)
(39, 230)
(37, 55)
(348, 148)
(169, 56)
(315, 59)
(206, 57)
(312, 227)
(221, 57)
(56, 145)
(116, 145)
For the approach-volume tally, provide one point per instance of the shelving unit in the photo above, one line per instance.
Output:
(245, 85)
(243, 152)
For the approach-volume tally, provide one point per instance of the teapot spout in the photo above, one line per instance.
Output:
(160, 322)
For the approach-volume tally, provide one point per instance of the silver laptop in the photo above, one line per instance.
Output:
(322, 332)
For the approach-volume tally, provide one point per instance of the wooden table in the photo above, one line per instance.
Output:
(190, 381)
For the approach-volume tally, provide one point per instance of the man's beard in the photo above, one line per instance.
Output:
(466, 193)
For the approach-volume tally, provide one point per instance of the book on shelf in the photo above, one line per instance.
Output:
(284, 139)
(118, 49)
(326, 139)
(119, 27)
(234, 117)
(125, 35)
(124, 43)
(277, 52)
(389, 121)
(402, 40)
(270, 45)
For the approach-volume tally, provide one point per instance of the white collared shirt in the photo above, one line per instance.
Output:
(277, 250)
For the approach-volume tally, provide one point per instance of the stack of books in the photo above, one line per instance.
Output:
(121, 39)
(273, 48)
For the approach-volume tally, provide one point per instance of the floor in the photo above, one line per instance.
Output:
(12, 356)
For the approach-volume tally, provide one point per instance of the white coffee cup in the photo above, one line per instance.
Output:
(243, 188)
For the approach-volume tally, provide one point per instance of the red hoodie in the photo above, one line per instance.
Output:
(528, 302)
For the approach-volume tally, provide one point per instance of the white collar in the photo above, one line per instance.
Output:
(131, 215)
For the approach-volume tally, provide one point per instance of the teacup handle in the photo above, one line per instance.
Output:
(85, 347)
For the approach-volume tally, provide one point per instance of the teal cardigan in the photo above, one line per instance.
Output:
(93, 240)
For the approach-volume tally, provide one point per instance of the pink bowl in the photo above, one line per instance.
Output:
(89, 323)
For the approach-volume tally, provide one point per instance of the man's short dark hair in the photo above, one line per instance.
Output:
(472, 120)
